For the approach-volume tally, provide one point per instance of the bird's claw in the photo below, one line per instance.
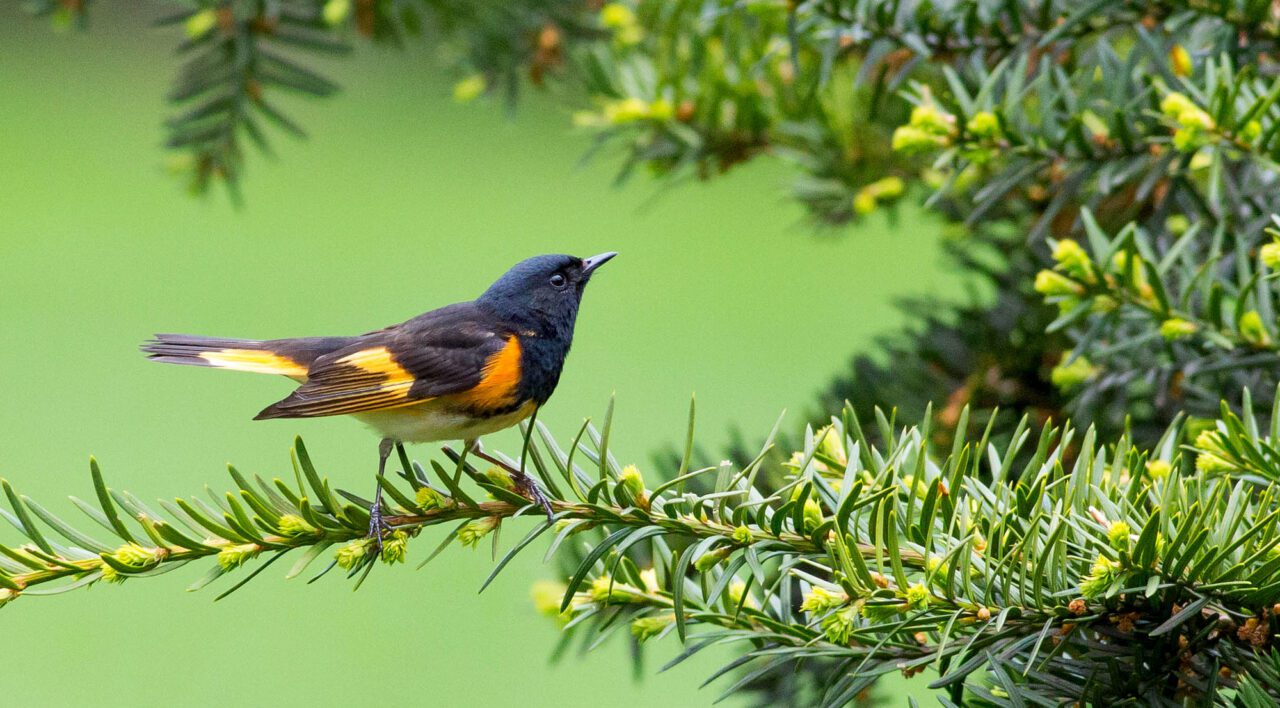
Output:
(526, 484)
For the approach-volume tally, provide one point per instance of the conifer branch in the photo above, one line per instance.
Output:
(1053, 565)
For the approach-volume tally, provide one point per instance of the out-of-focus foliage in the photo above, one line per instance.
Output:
(240, 57)
(1011, 118)
(1016, 118)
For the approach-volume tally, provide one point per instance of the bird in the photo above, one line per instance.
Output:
(454, 373)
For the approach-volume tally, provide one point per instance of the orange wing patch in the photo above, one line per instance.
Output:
(377, 361)
(365, 380)
(255, 361)
(499, 381)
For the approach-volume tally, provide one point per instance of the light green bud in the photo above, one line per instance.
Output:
(1176, 328)
(616, 15)
(605, 589)
(909, 139)
(1073, 259)
(1195, 119)
(500, 478)
(1173, 104)
(1096, 125)
(396, 548)
(336, 12)
(917, 597)
(1053, 284)
(644, 628)
(200, 23)
(547, 595)
(470, 88)
(820, 600)
(928, 117)
(1104, 304)
(888, 187)
(1101, 575)
(427, 499)
(839, 625)
(983, 124)
(138, 557)
(1253, 330)
(813, 516)
(292, 526)
(711, 559)
(232, 557)
(111, 575)
(864, 202)
(627, 110)
(1185, 140)
(1270, 254)
(1158, 469)
(350, 555)
(633, 481)
(1118, 535)
(476, 529)
(1177, 224)
(1071, 373)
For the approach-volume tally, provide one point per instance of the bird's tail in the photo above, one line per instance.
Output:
(286, 357)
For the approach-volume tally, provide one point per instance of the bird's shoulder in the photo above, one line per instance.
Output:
(459, 324)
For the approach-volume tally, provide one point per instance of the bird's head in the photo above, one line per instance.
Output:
(543, 292)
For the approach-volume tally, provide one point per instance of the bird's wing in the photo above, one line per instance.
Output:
(453, 350)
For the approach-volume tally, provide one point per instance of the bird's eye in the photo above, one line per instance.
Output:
(558, 281)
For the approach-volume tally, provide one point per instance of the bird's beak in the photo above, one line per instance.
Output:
(590, 264)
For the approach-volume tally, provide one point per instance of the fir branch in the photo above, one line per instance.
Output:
(227, 87)
(1199, 312)
(1050, 565)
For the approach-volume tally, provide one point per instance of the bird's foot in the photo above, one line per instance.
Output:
(525, 484)
(378, 527)
(530, 488)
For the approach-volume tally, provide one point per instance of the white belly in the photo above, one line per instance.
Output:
(432, 422)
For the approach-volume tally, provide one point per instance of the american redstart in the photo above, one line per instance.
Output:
(455, 373)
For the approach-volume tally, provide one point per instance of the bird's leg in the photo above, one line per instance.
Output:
(376, 525)
(524, 483)
(535, 492)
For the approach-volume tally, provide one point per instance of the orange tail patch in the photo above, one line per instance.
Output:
(236, 354)
(258, 362)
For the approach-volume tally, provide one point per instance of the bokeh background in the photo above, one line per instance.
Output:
(400, 202)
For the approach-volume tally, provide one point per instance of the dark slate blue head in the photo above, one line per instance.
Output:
(542, 293)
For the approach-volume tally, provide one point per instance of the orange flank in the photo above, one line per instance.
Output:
(255, 361)
(499, 380)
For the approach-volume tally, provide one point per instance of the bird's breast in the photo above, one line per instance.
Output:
(437, 419)
(541, 361)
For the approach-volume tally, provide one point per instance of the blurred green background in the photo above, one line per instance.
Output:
(401, 201)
